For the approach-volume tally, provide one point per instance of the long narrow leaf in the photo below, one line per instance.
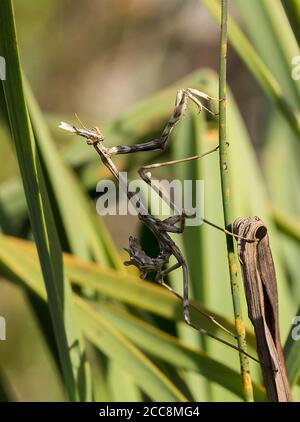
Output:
(99, 331)
(172, 350)
(17, 254)
(38, 202)
(111, 342)
(258, 69)
(18, 257)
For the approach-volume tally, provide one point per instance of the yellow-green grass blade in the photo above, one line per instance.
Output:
(164, 300)
(112, 343)
(134, 291)
(257, 67)
(15, 254)
(97, 330)
(86, 234)
(19, 259)
(173, 351)
(40, 212)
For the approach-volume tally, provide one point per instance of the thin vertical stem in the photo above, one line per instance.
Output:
(235, 279)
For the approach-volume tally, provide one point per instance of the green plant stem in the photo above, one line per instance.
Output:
(224, 170)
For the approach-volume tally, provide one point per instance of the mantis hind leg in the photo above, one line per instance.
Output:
(186, 303)
(185, 298)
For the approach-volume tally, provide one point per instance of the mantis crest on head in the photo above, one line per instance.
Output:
(160, 228)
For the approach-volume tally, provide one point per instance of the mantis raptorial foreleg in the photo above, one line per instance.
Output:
(182, 97)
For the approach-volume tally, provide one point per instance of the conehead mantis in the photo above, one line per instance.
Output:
(160, 228)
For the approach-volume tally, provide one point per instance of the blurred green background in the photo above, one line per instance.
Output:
(117, 64)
